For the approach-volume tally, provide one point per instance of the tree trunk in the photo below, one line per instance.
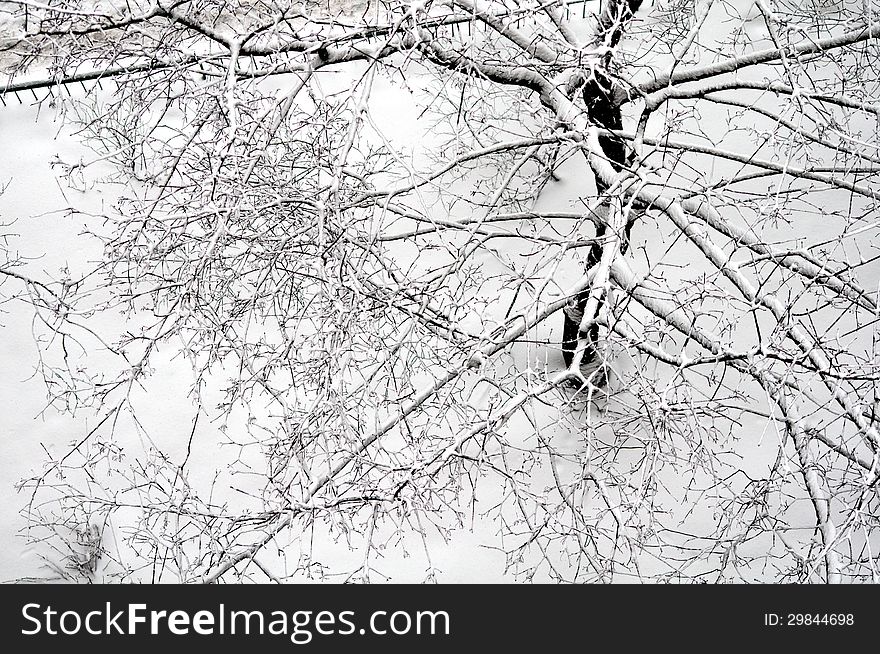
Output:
(605, 113)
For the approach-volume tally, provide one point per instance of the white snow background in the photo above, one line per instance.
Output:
(36, 198)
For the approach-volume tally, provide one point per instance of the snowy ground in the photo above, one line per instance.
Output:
(34, 198)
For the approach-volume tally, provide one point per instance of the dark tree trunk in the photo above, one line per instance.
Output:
(605, 113)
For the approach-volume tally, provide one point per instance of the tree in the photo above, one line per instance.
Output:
(629, 245)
